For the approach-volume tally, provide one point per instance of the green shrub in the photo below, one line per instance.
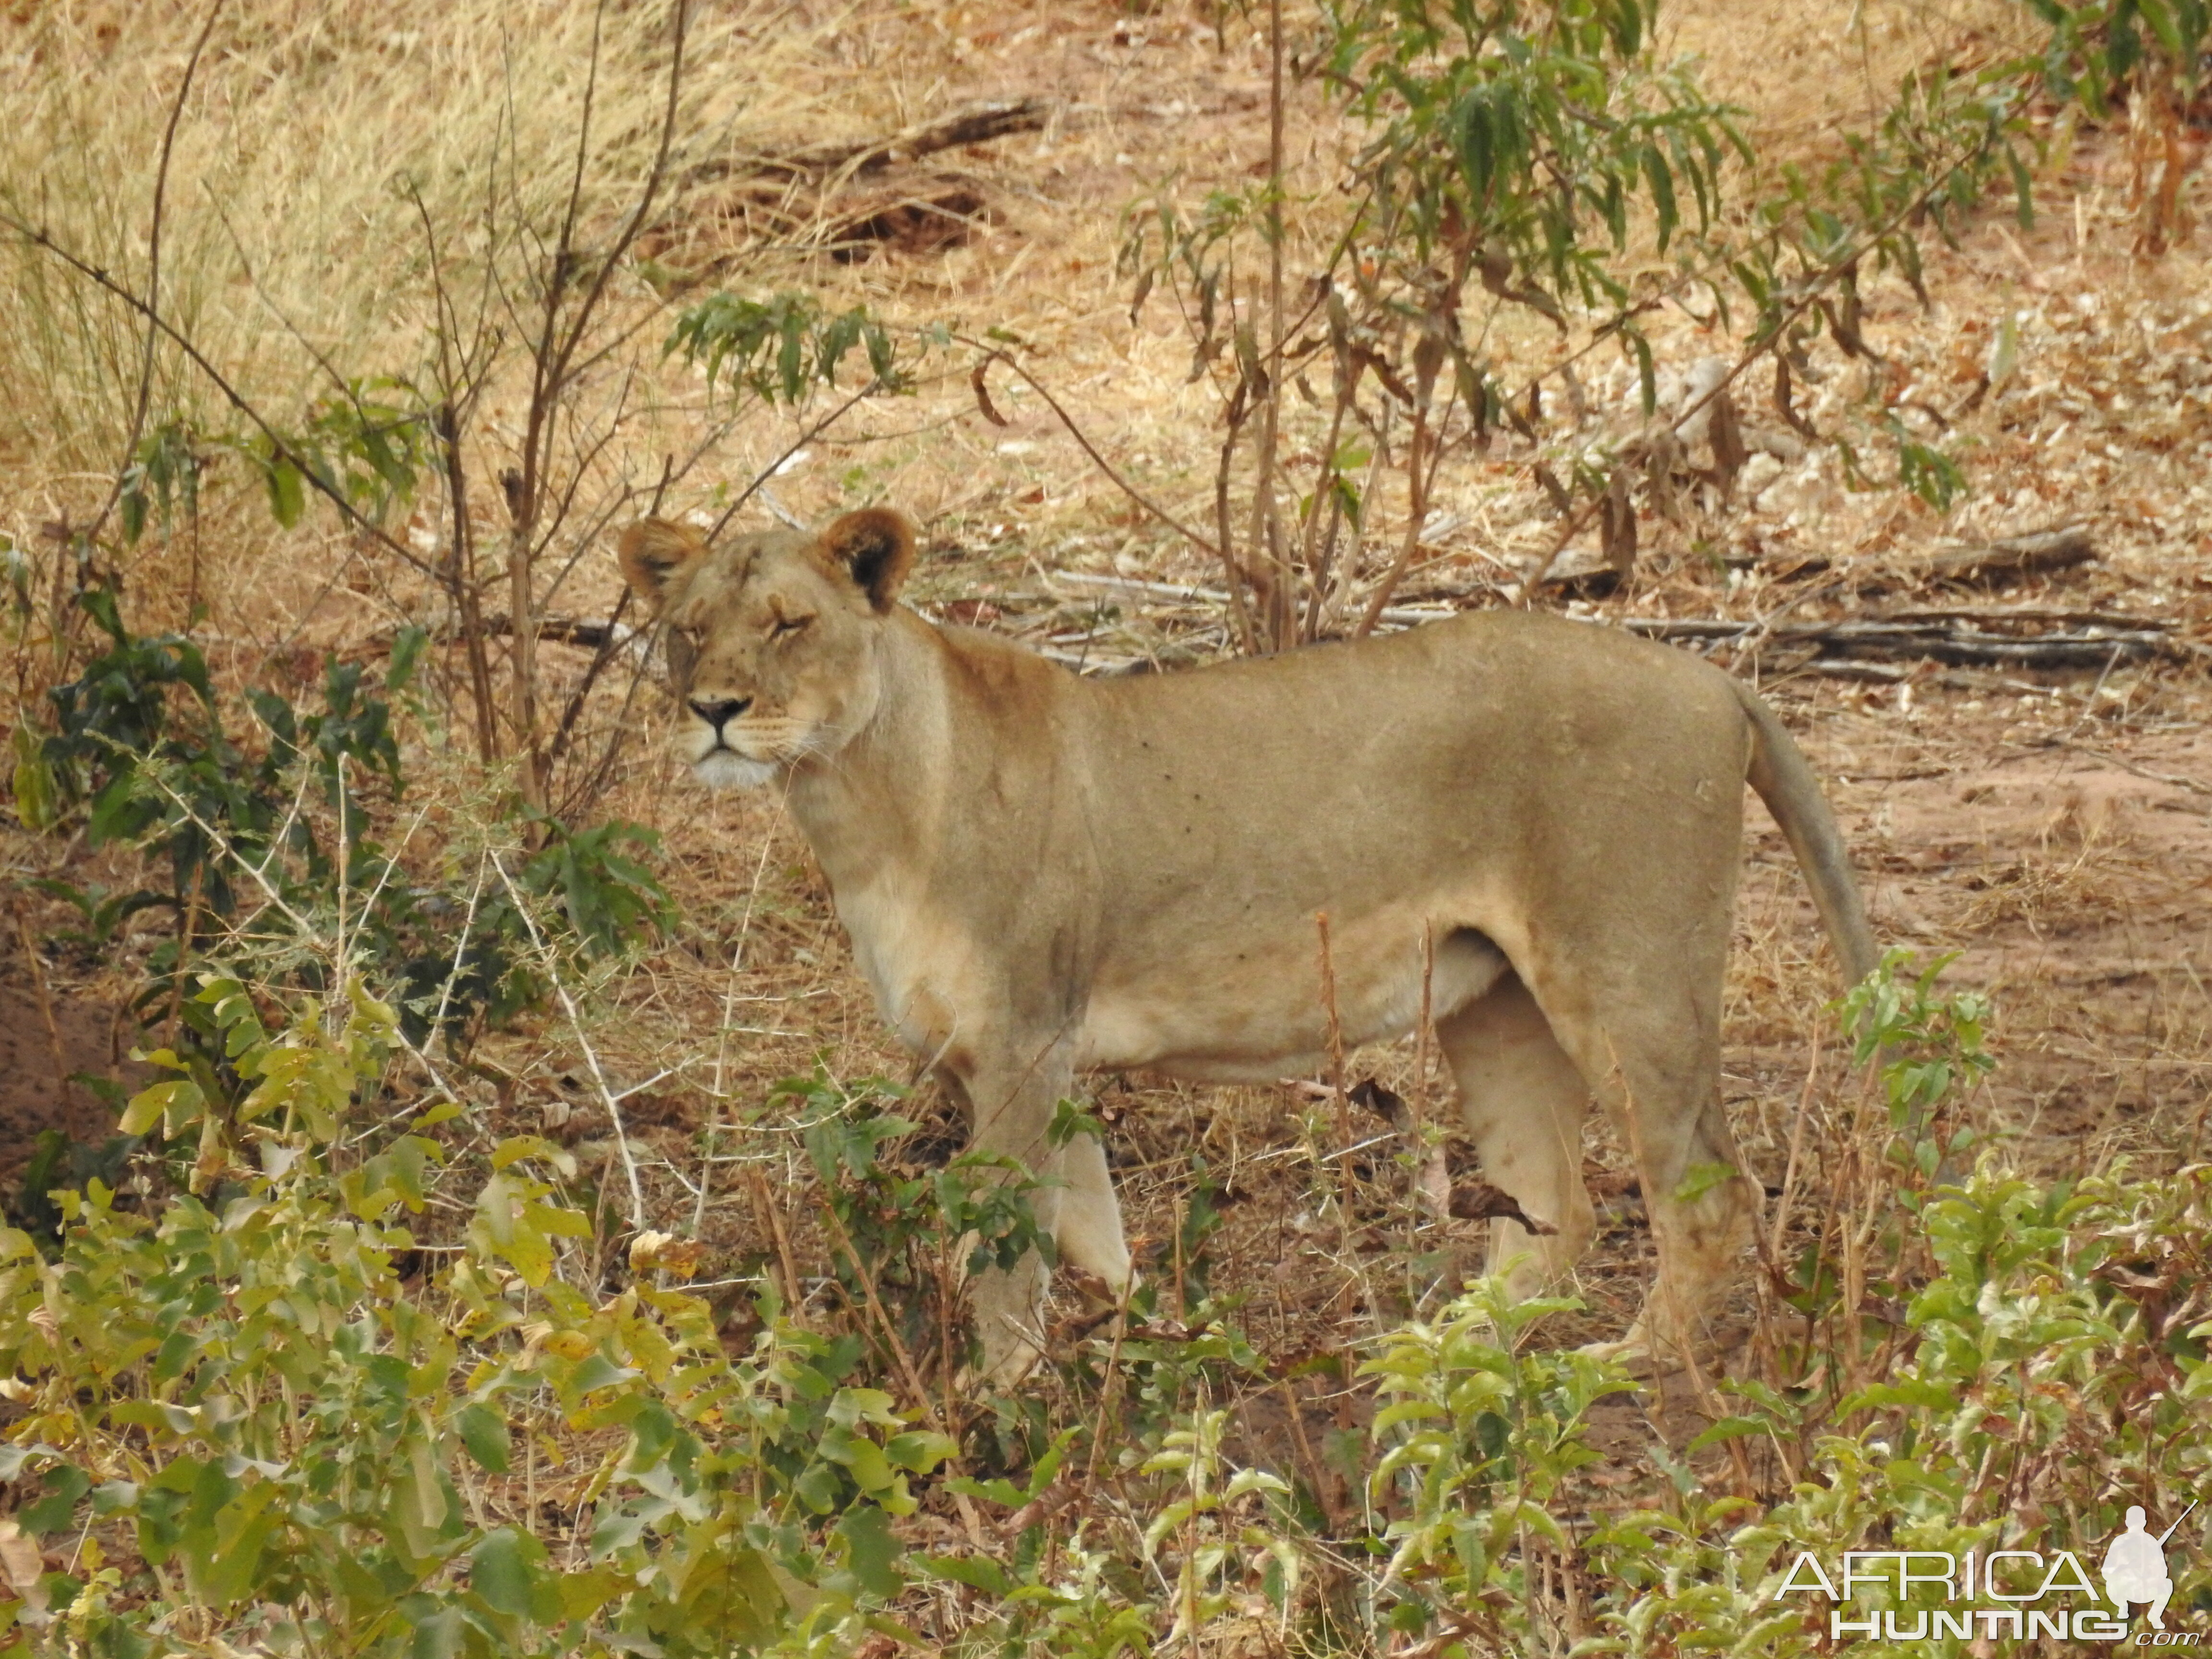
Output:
(271, 848)
(267, 1419)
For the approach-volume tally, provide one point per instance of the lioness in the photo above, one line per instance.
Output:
(1044, 875)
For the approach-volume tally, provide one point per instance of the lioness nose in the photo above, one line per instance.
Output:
(718, 713)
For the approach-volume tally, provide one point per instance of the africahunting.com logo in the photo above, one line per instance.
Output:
(2012, 1595)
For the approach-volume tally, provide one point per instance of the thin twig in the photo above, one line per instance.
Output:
(608, 1098)
(552, 363)
(899, 1354)
(1336, 1088)
(153, 273)
(772, 1218)
(275, 898)
(761, 478)
(1378, 602)
(729, 1020)
(999, 354)
(45, 1007)
(1267, 517)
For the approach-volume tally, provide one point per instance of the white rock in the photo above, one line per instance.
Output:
(1760, 471)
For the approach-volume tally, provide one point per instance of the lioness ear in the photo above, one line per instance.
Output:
(655, 552)
(875, 547)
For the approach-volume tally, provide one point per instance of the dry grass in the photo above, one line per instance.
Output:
(1809, 74)
(313, 144)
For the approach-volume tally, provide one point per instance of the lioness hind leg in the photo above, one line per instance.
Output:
(1658, 1060)
(1701, 1208)
(1524, 1102)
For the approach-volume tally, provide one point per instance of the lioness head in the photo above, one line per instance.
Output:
(772, 638)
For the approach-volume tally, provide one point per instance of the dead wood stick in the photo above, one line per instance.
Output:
(978, 124)
(2015, 555)
(1732, 627)
(558, 630)
(2171, 780)
(2085, 649)
(2022, 613)
(2089, 645)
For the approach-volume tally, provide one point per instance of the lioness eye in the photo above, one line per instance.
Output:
(787, 625)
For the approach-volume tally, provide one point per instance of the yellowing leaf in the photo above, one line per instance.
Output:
(174, 1104)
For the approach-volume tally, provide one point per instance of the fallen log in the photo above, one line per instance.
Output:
(978, 124)
(2092, 640)
(2010, 558)
(2078, 647)
(554, 630)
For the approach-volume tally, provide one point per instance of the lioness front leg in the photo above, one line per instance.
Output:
(1012, 1101)
(1089, 1234)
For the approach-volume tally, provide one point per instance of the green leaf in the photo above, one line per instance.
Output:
(485, 1433)
(817, 1488)
(1912, 1395)
(1647, 379)
(921, 1450)
(118, 812)
(38, 804)
(287, 498)
(1730, 1428)
(515, 1148)
(439, 1635)
(1702, 1178)
(407, 648)
(66, 1484)
(133, 504)
(157, 1102)
(863, 1458)
(1661, 177)
(2023, 192)
(227, 1572)
(1071, 1118)
(2158, 16)
(976, 1571)
(596, 1371)
(872, 1553)
(1005, 1493)
(504, 1570)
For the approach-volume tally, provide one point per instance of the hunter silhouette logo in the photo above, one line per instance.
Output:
(2016, 1594)
(2135, 1567)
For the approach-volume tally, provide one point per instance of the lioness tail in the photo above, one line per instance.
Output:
(1785, 783)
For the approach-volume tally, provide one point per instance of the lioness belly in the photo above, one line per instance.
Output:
(1261, 1012)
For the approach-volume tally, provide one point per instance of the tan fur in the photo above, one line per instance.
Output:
(1044, 876)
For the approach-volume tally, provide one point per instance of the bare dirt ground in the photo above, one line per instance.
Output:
(2050, 828)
